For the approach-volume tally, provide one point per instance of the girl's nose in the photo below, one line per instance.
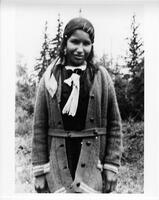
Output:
(80, 48)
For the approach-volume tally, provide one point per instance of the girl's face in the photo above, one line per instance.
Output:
(78, 48)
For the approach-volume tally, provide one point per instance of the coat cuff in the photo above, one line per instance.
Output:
(41, 169)
(111, 168)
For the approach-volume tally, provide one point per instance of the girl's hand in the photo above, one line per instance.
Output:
(40, 184)
(110, 181)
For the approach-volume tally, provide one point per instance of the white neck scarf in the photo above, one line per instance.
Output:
(51, 84)
(72, 103)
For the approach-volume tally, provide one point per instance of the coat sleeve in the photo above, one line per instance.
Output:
(114, 128)
(40, 127)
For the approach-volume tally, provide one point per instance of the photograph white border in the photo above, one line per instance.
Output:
(7, 102)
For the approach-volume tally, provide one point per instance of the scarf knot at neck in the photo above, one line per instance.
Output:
(72, 103)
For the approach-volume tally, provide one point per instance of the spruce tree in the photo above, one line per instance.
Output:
(50, 49)
(135, 63)
(135, 54)
(44, 60)
(56, 42)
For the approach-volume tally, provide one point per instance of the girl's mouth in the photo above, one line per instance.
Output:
(78, 57)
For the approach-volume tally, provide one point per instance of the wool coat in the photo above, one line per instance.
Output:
(101, 137)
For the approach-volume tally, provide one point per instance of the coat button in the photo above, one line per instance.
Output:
(95, 132)
(61, 145)
(83, 164)
(78, 184)
(59, 123)
(88, 143)
(68, 134)
(92, 96)
(92, 119)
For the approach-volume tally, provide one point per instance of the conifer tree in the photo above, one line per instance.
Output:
(50, 48)
(135, 63)
(135, 54)
(55, 42)
(44, 60)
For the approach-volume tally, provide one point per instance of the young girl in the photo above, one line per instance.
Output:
(77, 126)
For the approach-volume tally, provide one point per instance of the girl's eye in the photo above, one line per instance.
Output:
(75, 41)
(86, 43)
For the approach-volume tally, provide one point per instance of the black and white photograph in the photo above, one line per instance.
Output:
(79, 98)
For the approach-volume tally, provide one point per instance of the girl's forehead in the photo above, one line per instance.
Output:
(79, 23)
(80, 34)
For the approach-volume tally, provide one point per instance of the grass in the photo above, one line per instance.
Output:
(131, 179)
(23, 170)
